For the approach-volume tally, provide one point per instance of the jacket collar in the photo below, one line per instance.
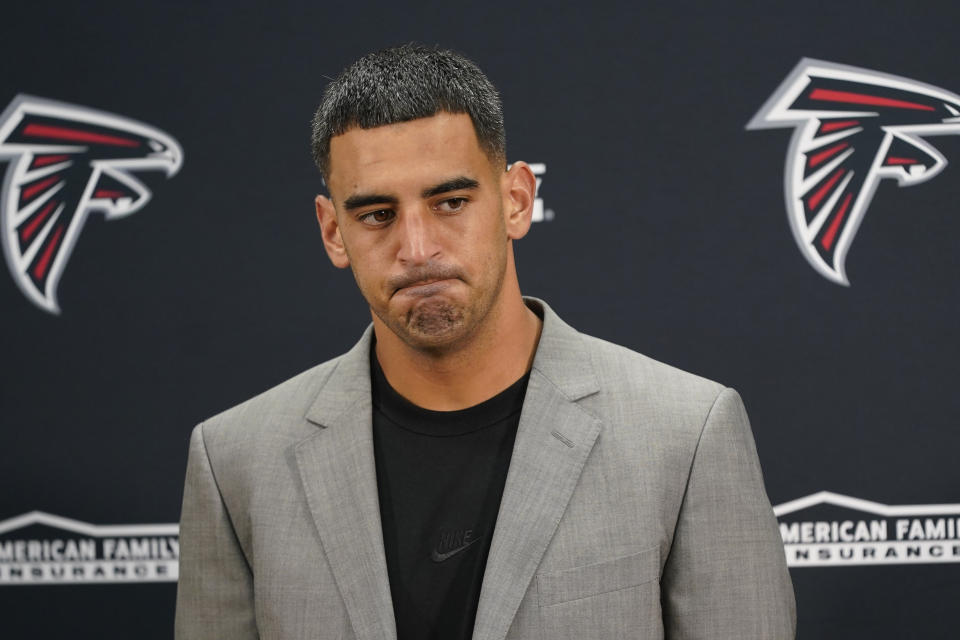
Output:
(337, 470)
(561, 358)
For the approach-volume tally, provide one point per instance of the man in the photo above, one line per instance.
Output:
(473, 467)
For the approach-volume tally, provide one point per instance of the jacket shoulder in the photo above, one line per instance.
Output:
(633, 367)
(277, 412)
(634, 385)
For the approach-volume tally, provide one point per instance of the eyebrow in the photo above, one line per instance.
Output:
(455, 184)
(360, 200)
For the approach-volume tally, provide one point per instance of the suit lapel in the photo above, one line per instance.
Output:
(339, 479)
(337, 469)
(554, 438)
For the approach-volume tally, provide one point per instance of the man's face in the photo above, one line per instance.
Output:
(420, 215)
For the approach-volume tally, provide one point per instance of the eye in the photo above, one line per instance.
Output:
(376, 218)
(451, 205)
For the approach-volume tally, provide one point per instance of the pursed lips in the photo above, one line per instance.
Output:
(424, 287)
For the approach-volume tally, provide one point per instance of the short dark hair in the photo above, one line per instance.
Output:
(404, 83)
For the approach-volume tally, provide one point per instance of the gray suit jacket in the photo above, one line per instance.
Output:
(634, 507)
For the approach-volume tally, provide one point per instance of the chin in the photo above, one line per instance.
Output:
(434, 324)
(435, 317)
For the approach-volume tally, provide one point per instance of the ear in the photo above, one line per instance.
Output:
(519, 189)
(330, 230)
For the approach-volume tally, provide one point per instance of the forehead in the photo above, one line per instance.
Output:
(413, 153)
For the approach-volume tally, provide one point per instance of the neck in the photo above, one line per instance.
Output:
(446, 380)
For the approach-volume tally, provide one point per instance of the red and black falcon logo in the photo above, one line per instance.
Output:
(67, 161)
(852, 128)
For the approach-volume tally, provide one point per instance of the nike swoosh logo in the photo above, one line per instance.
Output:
(440, 557)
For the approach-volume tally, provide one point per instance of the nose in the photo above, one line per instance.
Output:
(418, 237)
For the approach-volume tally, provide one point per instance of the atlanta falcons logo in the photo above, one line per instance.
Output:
(852, 128)
(66, 162)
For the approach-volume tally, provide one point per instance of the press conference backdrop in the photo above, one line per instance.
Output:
(764, 195)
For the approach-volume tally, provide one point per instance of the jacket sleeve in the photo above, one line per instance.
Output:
(215, 589)
(726, 575)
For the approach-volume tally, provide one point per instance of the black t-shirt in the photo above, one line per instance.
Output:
(440, 477)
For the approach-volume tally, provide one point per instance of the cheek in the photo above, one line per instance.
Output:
(363, 266)
(485, 230)
(487, 251)
(360, 248)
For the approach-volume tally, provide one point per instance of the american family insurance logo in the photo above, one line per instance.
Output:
(39, 548)
(832, 530)
(66, 162)
(852, 128)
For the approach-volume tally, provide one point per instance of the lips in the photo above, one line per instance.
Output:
(425, 288)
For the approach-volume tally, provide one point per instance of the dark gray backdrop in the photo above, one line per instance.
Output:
(670, 237)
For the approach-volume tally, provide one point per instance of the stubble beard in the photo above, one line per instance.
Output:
(433, 325)
(436, 324)
(434, 320)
